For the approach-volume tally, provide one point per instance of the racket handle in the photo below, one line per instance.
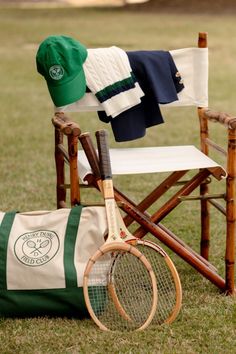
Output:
(104, 156)
(90, 152)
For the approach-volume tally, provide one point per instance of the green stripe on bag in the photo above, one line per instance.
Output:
(43, 302)
(5, 230)
(69, 246)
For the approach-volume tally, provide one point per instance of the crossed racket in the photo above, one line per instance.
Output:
(32, 244)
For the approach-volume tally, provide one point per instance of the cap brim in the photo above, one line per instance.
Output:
(69, 92)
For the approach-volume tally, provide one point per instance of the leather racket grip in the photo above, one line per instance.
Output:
(91, 153)
(104, 156)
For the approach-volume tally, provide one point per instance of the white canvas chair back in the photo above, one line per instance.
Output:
(192, 64)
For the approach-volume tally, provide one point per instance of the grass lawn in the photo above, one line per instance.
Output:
(207, 321)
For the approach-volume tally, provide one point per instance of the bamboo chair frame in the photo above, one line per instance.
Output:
(152, 223)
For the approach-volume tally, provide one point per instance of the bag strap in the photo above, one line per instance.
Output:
(69, 246)
(5, 229)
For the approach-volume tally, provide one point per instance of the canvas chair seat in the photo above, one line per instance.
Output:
(126, 161)
(177, 160)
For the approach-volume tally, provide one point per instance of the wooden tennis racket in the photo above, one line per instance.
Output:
(120, 288)
(168, 281)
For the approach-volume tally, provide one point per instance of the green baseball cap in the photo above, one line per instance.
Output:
(60, 60)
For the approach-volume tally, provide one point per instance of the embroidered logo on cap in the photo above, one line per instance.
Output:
(56, 72)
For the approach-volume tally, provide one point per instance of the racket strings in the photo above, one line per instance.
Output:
(138, 304)
(120, 291)
(168, 293)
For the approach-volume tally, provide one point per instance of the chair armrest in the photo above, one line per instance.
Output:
(65, 125)
(220, 117)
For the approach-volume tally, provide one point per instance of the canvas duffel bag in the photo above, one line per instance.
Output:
(42, 260)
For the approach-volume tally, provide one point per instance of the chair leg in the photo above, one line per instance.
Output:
(205, 223)
(60, 171)
(230, 214)
(205, 206)
(73, 157)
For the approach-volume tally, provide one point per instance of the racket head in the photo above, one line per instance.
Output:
(168, 282)
(120, 288)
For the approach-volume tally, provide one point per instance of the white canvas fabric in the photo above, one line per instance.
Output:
(35, 250)
(154, 159)
(192, 63)
(1, 217)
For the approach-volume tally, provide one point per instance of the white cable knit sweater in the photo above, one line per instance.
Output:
(109, 77)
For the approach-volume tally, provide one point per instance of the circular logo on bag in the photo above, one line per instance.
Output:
(36, 248)
(56, 72)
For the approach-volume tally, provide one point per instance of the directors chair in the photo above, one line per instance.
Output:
(177, 161)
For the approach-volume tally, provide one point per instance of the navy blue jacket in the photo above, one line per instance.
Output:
(159, 79)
